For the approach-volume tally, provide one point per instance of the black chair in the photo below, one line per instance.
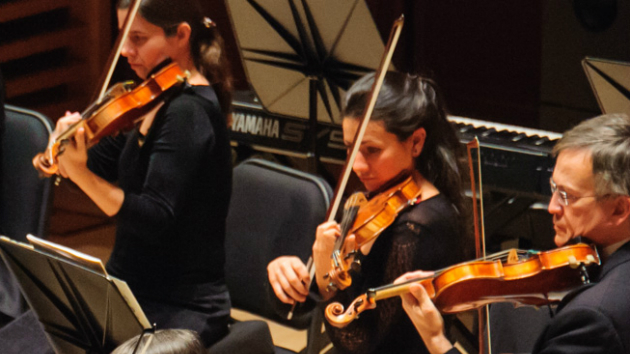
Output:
(274, 211)
(25, 197)
(24, 335)
(516, 329)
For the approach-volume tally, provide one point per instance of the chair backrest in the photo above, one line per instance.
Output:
(25, 197)
(274, 211)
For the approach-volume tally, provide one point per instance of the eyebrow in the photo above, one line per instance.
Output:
(564, 188)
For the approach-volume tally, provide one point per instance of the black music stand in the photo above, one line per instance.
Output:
(610, 81)
(81, 308)
(301, 56)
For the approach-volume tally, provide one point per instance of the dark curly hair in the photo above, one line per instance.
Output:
(404, 104)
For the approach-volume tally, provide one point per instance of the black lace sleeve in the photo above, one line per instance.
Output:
(423, 238)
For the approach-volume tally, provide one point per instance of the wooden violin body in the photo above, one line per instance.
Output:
(542, 278)
(372, 218)
(119, 109)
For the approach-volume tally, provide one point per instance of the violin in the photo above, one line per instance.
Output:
(525, 278)
(119, 109)
(368, 220)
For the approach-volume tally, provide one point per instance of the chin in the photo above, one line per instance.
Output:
(561, 240)
(371, 186)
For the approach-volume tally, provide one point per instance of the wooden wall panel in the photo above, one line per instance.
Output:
(52, 52)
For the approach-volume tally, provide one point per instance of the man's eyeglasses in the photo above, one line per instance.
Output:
(564, 196)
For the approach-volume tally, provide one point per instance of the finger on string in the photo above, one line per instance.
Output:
(419, 293)
(80, 138)
(351, 242)
(418, 274)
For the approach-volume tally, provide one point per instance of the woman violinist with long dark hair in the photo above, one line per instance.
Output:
(408, 134)
(168, 181)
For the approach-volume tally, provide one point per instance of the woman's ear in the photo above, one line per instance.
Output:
(417, 141)
(183, 34)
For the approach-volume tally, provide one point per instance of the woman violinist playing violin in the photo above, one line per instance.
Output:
(168, 181)
(408, 133)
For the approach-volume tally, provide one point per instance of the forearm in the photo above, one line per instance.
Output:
(321, 269)
(108, 197)
(437, 344)
(325, 239)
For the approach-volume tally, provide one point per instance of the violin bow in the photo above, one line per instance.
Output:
(38, 160)
(376, 88)
(480, 233)
(115, 53)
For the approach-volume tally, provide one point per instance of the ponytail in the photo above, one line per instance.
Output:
(211, 60)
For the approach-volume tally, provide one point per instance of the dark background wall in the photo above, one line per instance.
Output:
(515, 62)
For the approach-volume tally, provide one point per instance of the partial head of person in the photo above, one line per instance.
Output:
(591, 182)
(165, 341)
(408, 130)
(177, 30)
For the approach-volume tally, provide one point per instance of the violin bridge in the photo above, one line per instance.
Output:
(512, 257)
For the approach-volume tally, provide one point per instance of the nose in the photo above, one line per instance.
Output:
(360, 165)
(126, 49)
(555, 205)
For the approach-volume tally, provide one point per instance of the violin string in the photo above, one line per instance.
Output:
(493, 257)
(349, 214)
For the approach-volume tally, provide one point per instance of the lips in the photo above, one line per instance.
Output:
(557, 227)
(367, 182)
(365, 178)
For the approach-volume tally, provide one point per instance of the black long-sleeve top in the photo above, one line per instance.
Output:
(177, 185)
(426, 236)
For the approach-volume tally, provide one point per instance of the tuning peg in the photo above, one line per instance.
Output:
(356, 266)
(331, 287)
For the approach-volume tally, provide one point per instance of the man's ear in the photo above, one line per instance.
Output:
(621, 211)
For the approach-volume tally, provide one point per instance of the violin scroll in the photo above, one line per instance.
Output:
(42, 161)
(339, 318)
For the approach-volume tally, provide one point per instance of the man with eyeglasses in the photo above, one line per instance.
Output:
(590, 200)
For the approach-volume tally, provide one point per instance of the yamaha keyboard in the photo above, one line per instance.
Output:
(515, 160)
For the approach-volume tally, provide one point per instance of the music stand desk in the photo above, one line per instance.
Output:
(82, 310)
